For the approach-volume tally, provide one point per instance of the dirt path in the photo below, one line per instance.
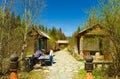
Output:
(65, 67)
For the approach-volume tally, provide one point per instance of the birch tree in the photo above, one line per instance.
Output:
(1, 34)
(109, 11)
(9, 43)
(31, 11)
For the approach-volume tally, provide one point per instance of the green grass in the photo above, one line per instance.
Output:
(81, 60)
(97, 74)
(82, 71)
(29, 53)
(81, 74)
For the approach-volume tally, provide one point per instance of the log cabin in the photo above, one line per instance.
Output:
(93, 41)
(40, 39)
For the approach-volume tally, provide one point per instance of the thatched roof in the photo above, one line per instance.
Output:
(43, 34)
(38, 33)
(91, 30)
(63, 41)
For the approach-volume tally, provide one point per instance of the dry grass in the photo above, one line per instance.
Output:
(32, 75)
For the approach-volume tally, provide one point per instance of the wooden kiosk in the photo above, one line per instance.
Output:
(40, 39)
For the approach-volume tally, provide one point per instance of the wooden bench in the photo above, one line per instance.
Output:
(44, 58)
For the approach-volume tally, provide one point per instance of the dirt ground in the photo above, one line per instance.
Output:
(64, 67)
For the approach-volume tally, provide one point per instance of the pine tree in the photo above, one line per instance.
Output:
(18, 21)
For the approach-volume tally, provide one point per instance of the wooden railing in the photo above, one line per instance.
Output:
(95, 64)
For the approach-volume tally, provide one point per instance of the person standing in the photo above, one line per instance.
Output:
(51, 56)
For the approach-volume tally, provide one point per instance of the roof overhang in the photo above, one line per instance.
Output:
(62, 41)
(38, 33)
(84, 31)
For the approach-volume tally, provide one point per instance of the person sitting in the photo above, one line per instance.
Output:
(38, 53)
(35, 57)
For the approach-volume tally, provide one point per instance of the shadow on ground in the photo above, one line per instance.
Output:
(47, 63)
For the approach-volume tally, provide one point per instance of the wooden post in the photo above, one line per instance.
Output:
(13, 66)
(81, 47)
(89, 75)
(89, 67)
(13, 75)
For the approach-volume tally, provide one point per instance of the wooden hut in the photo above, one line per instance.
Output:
(61, 43)
(91, 41)
(40, 39)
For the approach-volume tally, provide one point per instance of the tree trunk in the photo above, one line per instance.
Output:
(23, 51)
(0, 65)
(116, 77)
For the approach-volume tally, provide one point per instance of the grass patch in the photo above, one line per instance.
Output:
(81, 60)
(81, 74)
(29, 53)
(82, 71)
(96, 74)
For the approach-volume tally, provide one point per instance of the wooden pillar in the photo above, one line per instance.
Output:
(81, 46)
(46, 46)
(13, 75)
(89, 75)
(40, 41)
(78, 45)
(13, 66)
(89, 67)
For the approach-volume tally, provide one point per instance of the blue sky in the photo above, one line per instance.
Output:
(66, 14)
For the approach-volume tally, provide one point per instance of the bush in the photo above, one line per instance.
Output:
(96, 74)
